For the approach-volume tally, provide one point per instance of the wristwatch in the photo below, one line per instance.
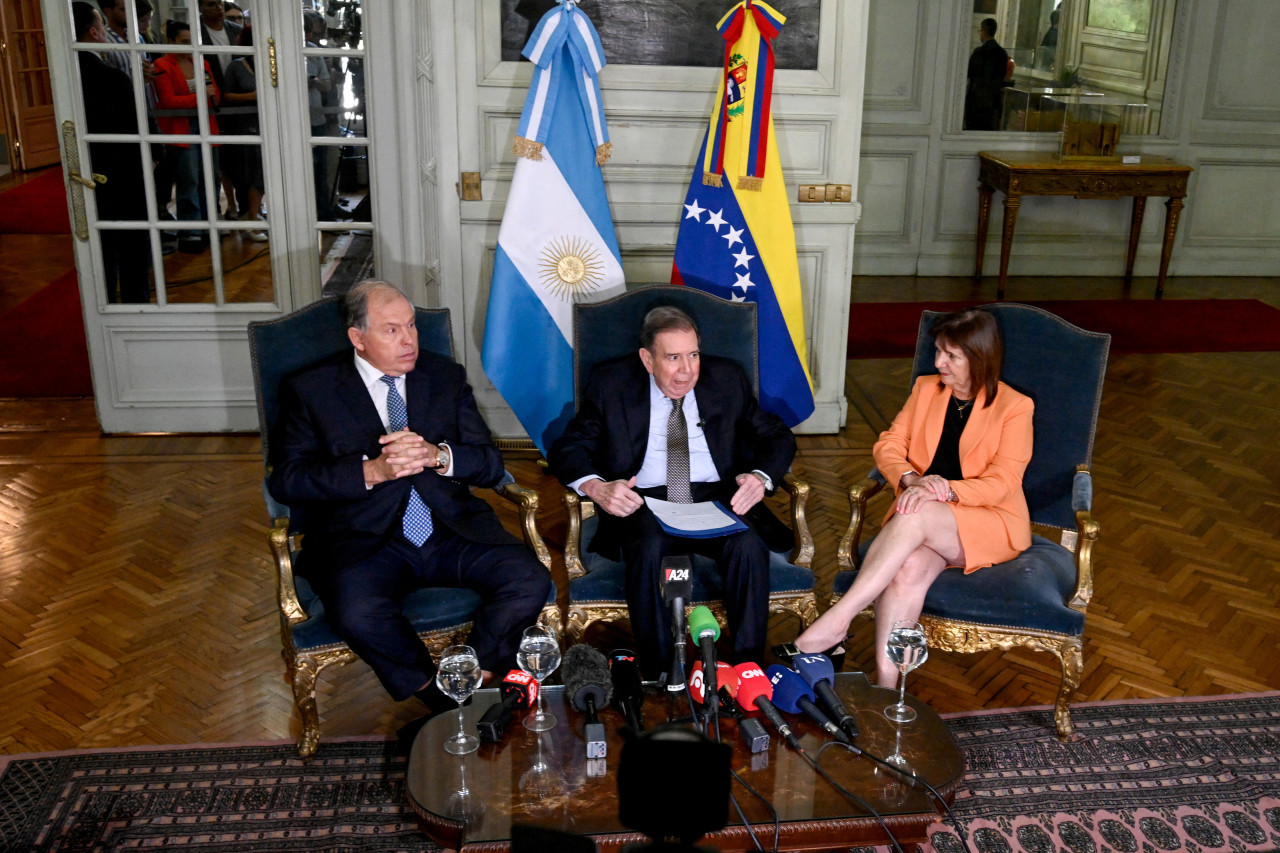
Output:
(443, 459)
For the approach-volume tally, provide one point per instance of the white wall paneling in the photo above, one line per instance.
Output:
(1220, 113)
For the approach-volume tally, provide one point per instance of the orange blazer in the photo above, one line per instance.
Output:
(995, 447)
(172, 93)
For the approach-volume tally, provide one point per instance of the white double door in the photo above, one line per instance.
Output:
(364, 181)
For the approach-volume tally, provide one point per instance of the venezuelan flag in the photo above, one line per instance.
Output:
(736, 237)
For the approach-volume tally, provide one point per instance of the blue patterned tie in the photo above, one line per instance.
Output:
(417, 515)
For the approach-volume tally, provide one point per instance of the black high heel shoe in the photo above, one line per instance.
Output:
(786, 651)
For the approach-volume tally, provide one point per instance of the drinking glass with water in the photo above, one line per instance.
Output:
(538, 655)
(906, 650)
(458, 676)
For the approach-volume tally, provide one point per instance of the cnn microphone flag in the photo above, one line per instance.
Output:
(736, 238)
(556, 245)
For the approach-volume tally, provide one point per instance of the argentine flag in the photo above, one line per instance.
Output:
(556, 245)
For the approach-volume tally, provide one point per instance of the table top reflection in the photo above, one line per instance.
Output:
(470, 802)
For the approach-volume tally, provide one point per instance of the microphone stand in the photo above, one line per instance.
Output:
(678, 658)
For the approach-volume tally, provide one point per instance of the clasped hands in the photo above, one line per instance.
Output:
(923, 490)
(404, 454)
(618, 497)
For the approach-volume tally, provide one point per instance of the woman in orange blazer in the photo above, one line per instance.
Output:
(955, 455)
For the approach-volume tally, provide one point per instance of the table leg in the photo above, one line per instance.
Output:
(984, 216)
(1173, 210)
(1011, 205)
(1135, 230)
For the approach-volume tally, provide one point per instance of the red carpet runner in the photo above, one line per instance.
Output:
(888, 329)
(36, 207)
(43, 351)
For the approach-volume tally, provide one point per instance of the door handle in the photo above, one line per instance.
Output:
(83, 181)
(71, 157)
(271, 61)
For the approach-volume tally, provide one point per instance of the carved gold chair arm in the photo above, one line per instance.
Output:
(799, 490)
(527, 501)
(578, 509)
(1087, 532)
(282, 554)
(859, 494)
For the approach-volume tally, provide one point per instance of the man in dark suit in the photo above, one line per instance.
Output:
(376, 449)
(634, 416)
(988, 69)
(108, 108)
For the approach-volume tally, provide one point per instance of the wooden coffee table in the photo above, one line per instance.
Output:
(581, 797)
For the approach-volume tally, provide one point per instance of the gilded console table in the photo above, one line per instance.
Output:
(1020, 173)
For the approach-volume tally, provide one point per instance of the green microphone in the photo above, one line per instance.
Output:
(704, 631)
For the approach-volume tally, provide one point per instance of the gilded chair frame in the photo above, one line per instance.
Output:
(956, 635)
(582, 615)
(304, 665)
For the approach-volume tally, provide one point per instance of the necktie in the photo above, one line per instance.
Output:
(678, 455)
(417, 515)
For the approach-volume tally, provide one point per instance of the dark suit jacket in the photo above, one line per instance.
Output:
(608, 436)
(108, 108)
(328, 422)
(215, 62)
(984, 97)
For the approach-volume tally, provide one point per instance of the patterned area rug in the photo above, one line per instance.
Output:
(1195, 774)
(1198, 775)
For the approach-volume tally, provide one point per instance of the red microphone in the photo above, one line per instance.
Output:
(519, 690)
(697, 685)
(726, 679)
(754, 694)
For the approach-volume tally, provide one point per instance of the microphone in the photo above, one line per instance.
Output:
(588, 686)
(751, 730)
(519, 690)
(628, 687)
(704, 630)
(677, 589)
(792, 694)
(697, 684)
(725, 676)
(819, 673)
(754, 694)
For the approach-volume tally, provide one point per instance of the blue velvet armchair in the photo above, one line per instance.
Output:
(1037, 600)
(441, 616)
(610, 329)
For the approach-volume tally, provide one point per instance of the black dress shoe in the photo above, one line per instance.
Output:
(407, 733)
(443, 705)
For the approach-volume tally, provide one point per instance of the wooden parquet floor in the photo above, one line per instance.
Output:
(137, 600)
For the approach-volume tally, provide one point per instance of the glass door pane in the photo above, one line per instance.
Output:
(334, 55)
(171, 124)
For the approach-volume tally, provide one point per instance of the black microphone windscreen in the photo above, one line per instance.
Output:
(585, 672)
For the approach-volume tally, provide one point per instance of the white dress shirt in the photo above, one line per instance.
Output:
(653, 471)
(372, 378)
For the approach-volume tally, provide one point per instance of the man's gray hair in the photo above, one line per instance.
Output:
(665, 318)
(355, 305)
